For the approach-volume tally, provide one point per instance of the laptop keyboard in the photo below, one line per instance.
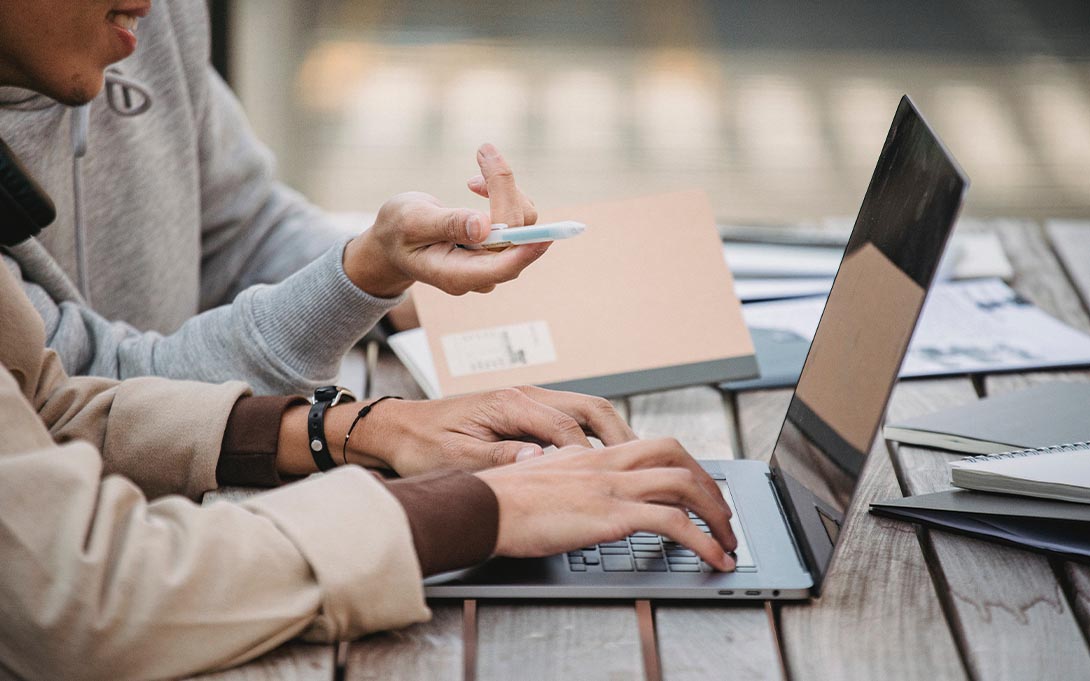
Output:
(649, 552)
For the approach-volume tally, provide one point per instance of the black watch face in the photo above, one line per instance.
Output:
(325, 393)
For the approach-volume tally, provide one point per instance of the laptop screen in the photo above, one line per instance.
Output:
(891, 257)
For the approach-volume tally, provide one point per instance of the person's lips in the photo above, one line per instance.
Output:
(124, 20)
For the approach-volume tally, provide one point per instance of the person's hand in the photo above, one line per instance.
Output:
(577, 497)
(415, 238)
(477, 431)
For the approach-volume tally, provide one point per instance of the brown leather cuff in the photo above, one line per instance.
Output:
(454, 517)
(248, 453)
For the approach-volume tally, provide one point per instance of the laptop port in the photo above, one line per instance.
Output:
(753, 593)
(726, 592)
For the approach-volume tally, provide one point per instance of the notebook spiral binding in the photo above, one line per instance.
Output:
(1072, 447)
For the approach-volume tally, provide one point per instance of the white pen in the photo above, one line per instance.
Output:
(503, 236)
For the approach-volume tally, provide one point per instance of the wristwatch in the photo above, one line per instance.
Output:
(324, 397)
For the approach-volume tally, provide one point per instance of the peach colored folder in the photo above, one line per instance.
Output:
(642, 301)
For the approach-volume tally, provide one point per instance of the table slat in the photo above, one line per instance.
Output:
(760, 415)
(293, 661)
(1038, 275)
(879, 575)
(1005, 605)
(432, 650)
(1071, 245)
(557, 641)
(701, 641)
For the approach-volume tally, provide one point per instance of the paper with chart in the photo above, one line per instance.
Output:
(980, 326)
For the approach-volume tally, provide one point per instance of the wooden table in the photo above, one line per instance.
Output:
(899, 602)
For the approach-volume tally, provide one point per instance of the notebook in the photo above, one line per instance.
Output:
(1055, 528)
(1059, 472)
(1041, 416)
(642, 301)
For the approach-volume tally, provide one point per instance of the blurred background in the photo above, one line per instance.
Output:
(777, 109)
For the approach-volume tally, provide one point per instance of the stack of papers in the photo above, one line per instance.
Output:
(775, 271)
(967, 327)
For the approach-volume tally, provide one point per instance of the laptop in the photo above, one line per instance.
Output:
(788, 513)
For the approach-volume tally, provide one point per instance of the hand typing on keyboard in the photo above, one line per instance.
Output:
(578, 497)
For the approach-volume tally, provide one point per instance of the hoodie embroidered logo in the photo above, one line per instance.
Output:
(126, 97)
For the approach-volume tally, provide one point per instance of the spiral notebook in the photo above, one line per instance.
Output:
(1061, 472)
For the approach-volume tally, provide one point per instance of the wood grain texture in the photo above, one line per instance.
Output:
(558, 641)
(698, 417)
(760, 415)
(698, 642)
(1070, 255)
(1005, 606)
(1071, 243)
(701, 641)
(878, 616)
(432, 650)
(293, 661)
(1038, 276)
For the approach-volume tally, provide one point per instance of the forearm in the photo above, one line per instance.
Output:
(457, 533)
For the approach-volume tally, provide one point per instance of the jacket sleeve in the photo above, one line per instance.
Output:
(99, 583)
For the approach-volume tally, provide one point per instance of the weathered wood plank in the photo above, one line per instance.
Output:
(1006, 606)
(698, 642)
(290, 662)
(701, 641)
(1037, 274)
(557, 641)
(879, 616)
(698, 417)
(432, 650)
(760, 415)
(1071, 243)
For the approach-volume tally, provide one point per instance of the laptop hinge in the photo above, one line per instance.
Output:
(787, 522)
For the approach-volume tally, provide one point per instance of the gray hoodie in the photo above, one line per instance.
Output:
(175, 252)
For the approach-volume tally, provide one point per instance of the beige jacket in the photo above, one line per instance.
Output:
(106, 575)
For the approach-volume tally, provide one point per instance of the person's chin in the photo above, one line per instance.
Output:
(80, 90)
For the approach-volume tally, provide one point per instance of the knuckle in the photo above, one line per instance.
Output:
(498, 454)
(678, 520)
(449, 450)
(603, 406)
(565, 423)
(506, 395)
(502, 171)
(453, 226)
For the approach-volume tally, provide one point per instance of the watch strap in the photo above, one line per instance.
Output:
(324, 397)
(319, 448)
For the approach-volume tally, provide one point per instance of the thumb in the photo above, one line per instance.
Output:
(435, 224)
